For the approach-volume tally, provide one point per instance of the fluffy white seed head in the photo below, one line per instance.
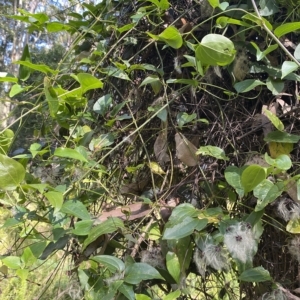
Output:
(240, 242)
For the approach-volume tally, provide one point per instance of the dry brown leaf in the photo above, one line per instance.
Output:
(161, 147)
(284, 106)
(185, 150)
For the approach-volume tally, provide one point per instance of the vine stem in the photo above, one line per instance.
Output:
(273, 35)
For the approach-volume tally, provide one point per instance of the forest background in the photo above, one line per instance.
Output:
(149, 149)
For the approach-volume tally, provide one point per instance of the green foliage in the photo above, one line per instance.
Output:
(121, 148)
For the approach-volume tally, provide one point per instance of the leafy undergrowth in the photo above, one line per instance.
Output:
(163, 163)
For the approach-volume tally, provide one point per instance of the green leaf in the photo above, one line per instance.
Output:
(173, 265)
(104, 140)
(51, 247)
(5, 77)
(182, 229)
(287, 68)
(247, 85)
(293, 226)
(69, 153)
(214, 3)
(12, 262)
(83, 227)
(102, 105)
(184, 118)
(142, 297)
(57, 26)
(116, 72)
(41, 68)
(127, 291)
(51, 97)
(163, 114)
(88, 81)
(183, 210)
(282, 137)
(268, 7)
(215, 50)
(138, 272)
(266, 192)
(275, 86)
(261, 54)
(108, 226)
(286, 28)
(274, 119)
(12, 173)
(112, 263)
(6, 138)
(172, 37)
(76, 208)
(56, 199)
(233, 177)
(28, 258)
(24, 72)
(172, 296)
(297, 52)
(213, 151)
(252, 176)
(16, 89)
(223, 21)
(258, 274)
(282, 162)
(22, 273)
(154, 81)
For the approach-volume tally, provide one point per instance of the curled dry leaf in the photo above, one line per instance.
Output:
(185, 150)
(160, 148)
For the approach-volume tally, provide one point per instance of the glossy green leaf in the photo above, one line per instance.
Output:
(266, 192)
(127, 291)
(286, 28)
(274, 119)
(24, 72)
(172, 296)
(215, 50)
(112, 263)
(173, 265)
(41, 68)
(103, 104)
(83, 227)
(108, 226)
(261, 54)
(182, 229)
(268, 7)
(275, 86)
(282, 137)
(172, 37)
(233, 177)
(138, 272)
(247, 85)
(183, 210)
(213, 151)
(12, 173)
(12, 262)
(56, 199)
(252, 176)
(69, 153)
(288, 67)
(76, 208)
(258, 274)
(214, 3)
(282, 162)
(51, 97)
